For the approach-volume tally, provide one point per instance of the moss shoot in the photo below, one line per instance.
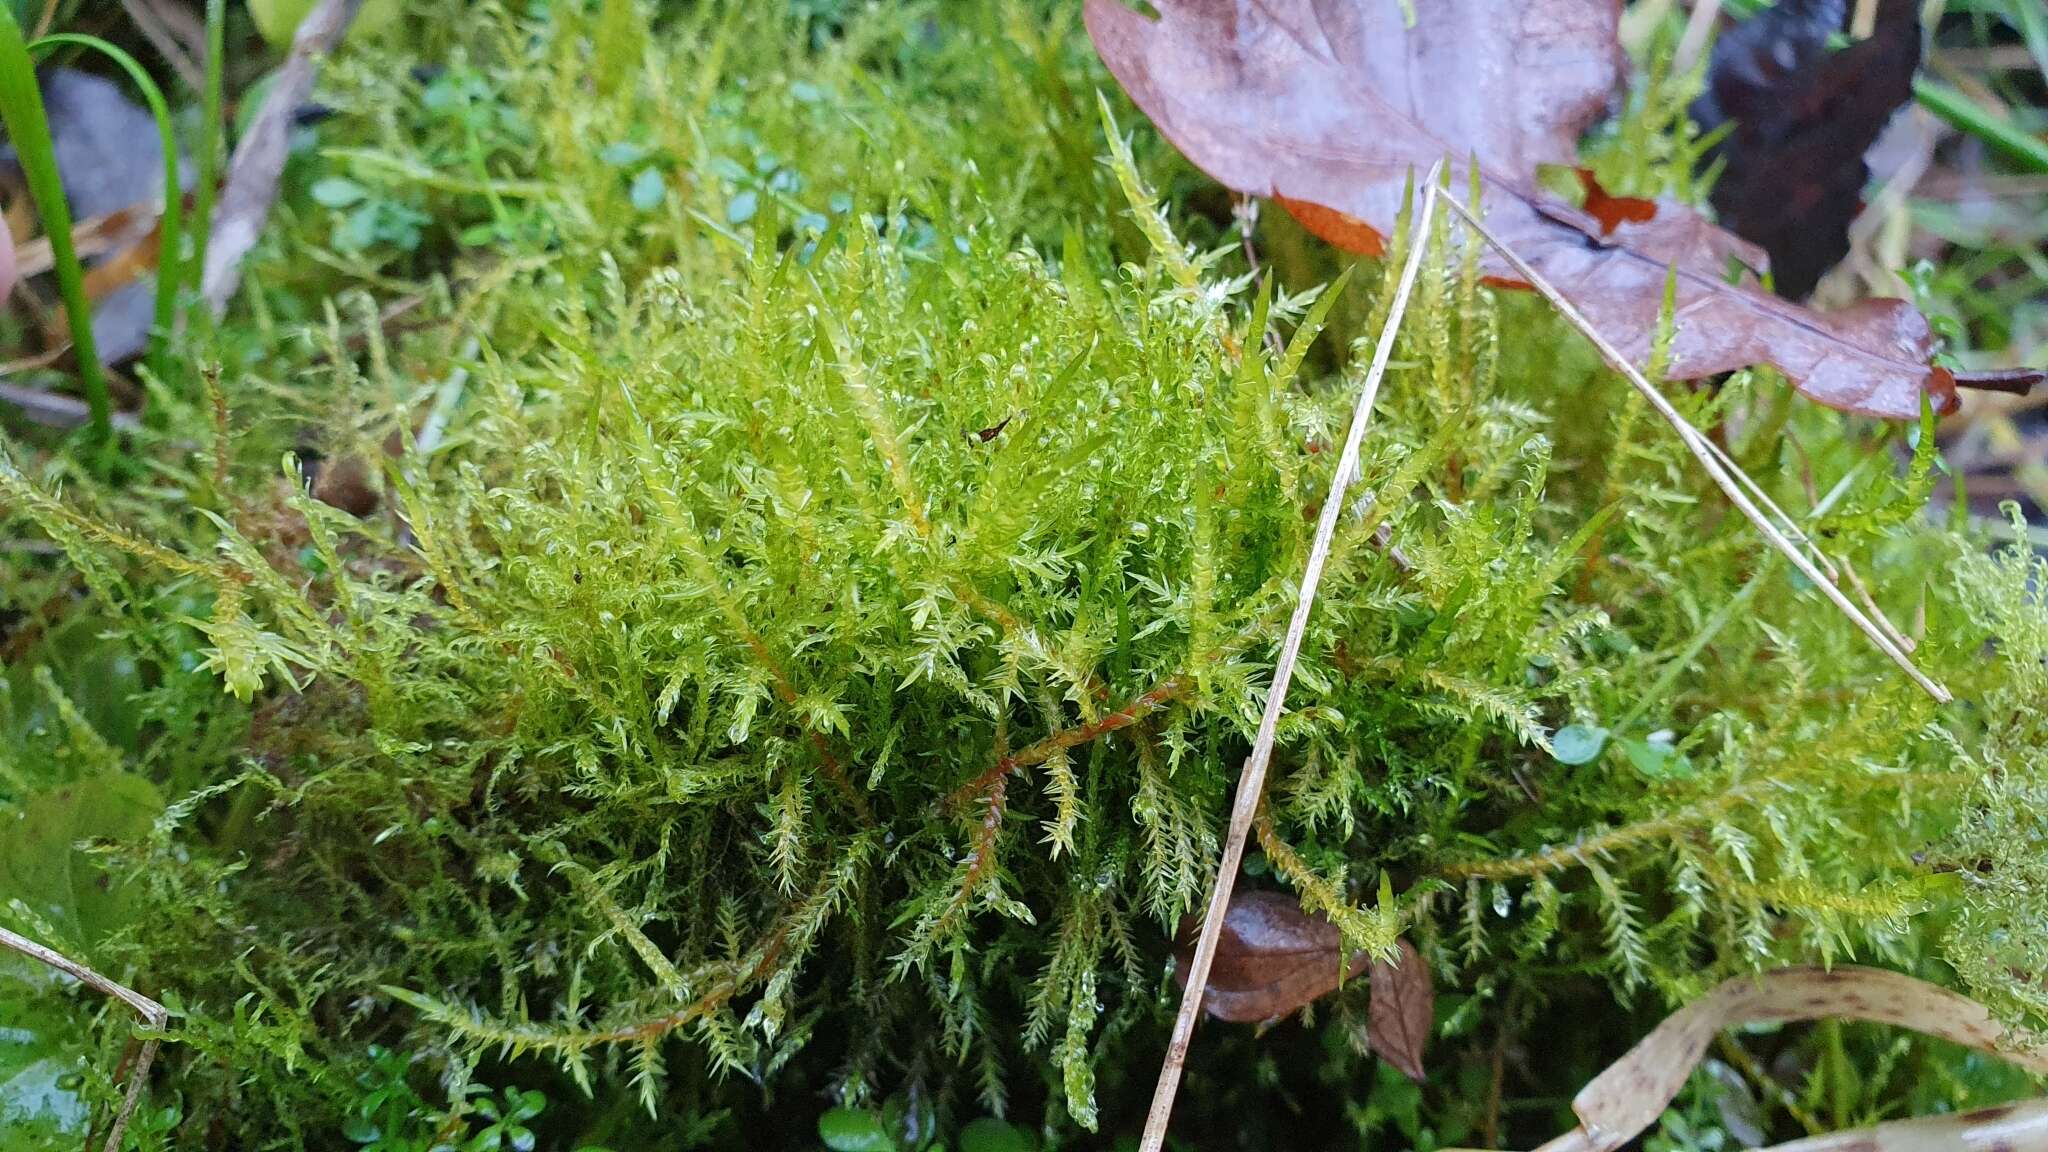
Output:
(800, 522)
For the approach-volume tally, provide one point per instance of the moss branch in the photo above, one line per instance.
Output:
(1141, 706)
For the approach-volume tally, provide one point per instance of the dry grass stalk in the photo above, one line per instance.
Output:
(153, 1015)
(1779, 529)
(1628, 1097)
(1251, 785)
(258, 162)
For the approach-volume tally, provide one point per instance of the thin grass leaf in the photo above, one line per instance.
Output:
(170, 269)
(21, 109)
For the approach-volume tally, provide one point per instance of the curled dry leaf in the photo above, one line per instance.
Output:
(2021, 1127)
(1801, 118)
(347, 484)
(109, 156)
(1629, 1096)
(111, 163)
(1403, 1012)
(1271, 958)
(1333, 103)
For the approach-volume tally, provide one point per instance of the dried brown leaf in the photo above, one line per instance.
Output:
(1403, 1011)
(1629, 1096)
(1802, 117)
(94, 237)
(1271, 958)
(1334, 103)
(2021, 1127)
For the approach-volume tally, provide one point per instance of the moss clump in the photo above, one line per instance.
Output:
(825, 582)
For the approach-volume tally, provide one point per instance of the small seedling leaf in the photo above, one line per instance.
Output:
(854, 1130)
(1577, 743)
(338, 192)
(987, 1135)
(649, 190)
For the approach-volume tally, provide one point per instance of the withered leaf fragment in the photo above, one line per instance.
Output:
(1802, 117)
(1333, 103)
(1271, 959)
(1403, 1012)
(1617, 1105)
(111, 163)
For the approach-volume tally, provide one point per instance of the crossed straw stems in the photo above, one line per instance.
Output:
(1778, 528)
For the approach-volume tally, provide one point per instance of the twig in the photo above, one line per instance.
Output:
(1628, 1096)
(1732, 482)
(153, 1014)
(1245, 210)
(57, 410)
(1251, 784)
(188, 26)
(259, 160)
(2021, 1127)
(1698, 27)
(154, 28)
(1171, 688)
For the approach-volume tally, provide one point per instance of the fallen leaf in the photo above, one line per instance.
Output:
(1610, 210)
(1271, 958)
(346, 484)
(133, 262)
(1403, 1012)
(1334, 103)
(110, 162)
(121, 321)
(53, 409)
(1801, 119)
(89, 238)
(992, 431)
(1633, 1092)
(109, 155)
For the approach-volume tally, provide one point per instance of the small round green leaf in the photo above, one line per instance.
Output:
(1577, 743)
(338, 192)
(854, 1130)
(1657, 760)
(986, 1135)
(648, 190)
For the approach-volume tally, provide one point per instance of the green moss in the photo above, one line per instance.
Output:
(816, 615)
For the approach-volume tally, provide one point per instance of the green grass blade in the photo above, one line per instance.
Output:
(1966, 115)
(21, 109)
(169, 272)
